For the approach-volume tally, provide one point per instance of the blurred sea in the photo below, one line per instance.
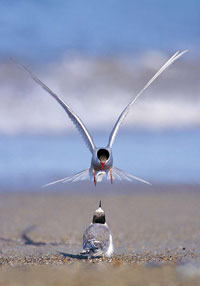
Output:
(97, 57)
(170, 157)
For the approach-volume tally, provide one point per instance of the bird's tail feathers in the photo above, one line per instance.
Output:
(81, 176)
(121, 175)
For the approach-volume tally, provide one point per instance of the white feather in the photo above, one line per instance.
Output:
(100, 175)
(75, 119)
(121, 175)
(126, 110)
(81, 176)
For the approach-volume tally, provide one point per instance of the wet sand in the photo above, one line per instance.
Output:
(156, 233)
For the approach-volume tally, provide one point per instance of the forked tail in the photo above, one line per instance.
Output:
(81, 176)
(121, 175)
(114, 174)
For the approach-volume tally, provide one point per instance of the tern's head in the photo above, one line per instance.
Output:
(103, 156)
(99, 215)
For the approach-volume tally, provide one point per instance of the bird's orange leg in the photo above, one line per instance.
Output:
(95, 182)
(111, 177)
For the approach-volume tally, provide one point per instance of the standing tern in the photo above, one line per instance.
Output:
(97, 238)
(102, 158)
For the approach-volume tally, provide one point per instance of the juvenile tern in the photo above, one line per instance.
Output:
(97, 238)
(102, 158)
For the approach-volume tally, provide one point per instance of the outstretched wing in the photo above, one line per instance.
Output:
(121, 175)
(81, 176)
(126, 110)
(75, 119)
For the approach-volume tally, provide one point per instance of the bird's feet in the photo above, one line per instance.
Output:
(95, 182)
(111, 177)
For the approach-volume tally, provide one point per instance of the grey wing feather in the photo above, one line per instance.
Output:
(81, 176)
(96, 237)
(75, 119)
(121, 175)
(126, 110)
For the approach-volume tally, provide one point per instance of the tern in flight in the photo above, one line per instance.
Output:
(102, 158)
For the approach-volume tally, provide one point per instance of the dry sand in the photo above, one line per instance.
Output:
(156, 233)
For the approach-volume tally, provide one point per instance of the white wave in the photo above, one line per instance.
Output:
(97, 89)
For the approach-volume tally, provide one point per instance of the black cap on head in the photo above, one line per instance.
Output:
(99, 215)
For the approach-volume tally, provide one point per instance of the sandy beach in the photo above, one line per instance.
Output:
(155, 232)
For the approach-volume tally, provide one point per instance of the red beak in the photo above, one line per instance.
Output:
(102, 165)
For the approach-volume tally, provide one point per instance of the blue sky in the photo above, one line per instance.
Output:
(47, 29)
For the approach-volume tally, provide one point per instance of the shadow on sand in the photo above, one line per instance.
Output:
(74, 256)
(29, 241)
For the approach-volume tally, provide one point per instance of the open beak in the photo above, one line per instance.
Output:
(102, 165)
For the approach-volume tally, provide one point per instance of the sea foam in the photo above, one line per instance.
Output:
(98, 89)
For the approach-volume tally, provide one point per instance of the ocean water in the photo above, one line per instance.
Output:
(170, 157)
(97, 56)
(98, 90)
